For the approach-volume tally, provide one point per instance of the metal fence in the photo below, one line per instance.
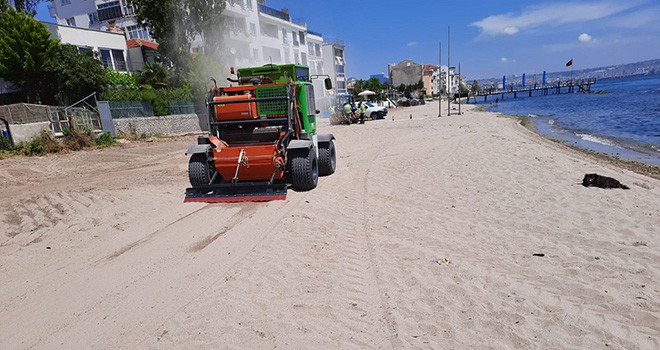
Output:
(143, 109)
(131, 109)
(181, 107)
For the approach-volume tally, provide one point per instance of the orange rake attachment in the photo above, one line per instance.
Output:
(237, 192)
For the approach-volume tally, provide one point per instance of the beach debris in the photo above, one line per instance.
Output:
(442, 261)
(602, 182)
(538, 254)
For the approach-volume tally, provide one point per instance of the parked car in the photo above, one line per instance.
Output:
(375, 112)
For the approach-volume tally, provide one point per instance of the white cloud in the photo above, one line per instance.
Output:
(510, 30)
(584, 37)
(504, 60)
(551, 14)
(411, 44)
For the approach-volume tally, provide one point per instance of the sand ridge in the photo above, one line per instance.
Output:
(423, 238)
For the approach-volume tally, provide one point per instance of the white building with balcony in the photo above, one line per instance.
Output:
(335, 64)
(253, 34)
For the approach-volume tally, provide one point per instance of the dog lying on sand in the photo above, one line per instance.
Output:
(602, 182)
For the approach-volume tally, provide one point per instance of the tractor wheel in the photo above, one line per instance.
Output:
(327, 158)
(199, 170)
(304, 169)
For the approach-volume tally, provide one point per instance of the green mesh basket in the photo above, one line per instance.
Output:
(271, 108)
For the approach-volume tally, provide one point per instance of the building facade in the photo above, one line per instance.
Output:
(335, 64)
(253, 34)
(405, 72)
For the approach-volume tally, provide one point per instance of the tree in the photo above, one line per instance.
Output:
(474, 89)
(27, 6)
(174, 24)
(26, 52)
(155, 75)
(77, 75)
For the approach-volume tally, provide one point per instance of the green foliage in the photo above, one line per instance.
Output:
(372, 84)
(174, 23)
(27, 6)
(105, 140)
(5, 143)
(77, 75)
(474, 89)
(114, 78)
(155, 75)
(26, 52)
(73, 140)
(159, 99)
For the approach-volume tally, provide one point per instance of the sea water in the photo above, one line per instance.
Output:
(620, 117)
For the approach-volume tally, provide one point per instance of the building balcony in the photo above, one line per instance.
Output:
(263, 9)
(237, 8)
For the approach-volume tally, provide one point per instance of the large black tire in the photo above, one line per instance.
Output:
(375, 115)
(304, 169)
(327, 158)
(199, 170)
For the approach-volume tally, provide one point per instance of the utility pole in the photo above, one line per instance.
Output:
(459, 89)
(439, 79)
(448, 78)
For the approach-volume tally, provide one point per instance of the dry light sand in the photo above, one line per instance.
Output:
(423, 238)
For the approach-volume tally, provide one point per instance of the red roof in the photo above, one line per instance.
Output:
(429, 67)
(131, 43)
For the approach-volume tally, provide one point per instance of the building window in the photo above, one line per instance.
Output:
(285, 40)
(296, 57)
(255, 54)
(253, 29)
(303, 58)
(302, 38)
(341, 85)
(93, 18)
(66, 2)
(84, 49)
(109, 10)
(318, 50)
(113, 59)
(295, 38)
(71, 21)
(249, 4)
(138, 32)
(339, 69)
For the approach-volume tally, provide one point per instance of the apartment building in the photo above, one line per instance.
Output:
(253, 33)
(335, 64)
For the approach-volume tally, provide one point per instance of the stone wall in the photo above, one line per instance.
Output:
(165, 125)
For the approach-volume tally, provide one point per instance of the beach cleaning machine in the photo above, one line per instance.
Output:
(262, 138)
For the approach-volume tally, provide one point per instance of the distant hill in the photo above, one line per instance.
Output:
(618, 71)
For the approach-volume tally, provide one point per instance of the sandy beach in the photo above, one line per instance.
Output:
(457, 232)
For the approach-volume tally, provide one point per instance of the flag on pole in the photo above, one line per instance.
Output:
(569, 63)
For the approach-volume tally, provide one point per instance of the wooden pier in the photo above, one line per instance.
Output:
(568, 86)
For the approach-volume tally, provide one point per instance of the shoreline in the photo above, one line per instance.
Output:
(637, 166)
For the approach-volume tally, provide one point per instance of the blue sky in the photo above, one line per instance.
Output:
(488, 38)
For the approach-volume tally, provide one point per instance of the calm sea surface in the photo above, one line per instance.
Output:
(625, 121)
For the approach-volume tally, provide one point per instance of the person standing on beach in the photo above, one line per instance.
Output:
(362, 110)
(348, 112)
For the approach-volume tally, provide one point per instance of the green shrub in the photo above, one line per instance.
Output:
(105, 140)
(5, 143)
(158, 98)
(114, 78)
